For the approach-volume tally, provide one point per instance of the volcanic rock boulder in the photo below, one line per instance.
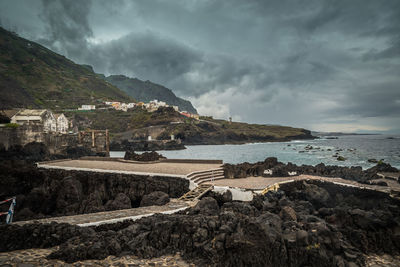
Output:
(35, 151)
(156, 198)
(221, 198)
(382, 167)
(316, 195)
(288, 214)
(146, 156)
(207, 205)
(93, 203)
(121, 201)
(70, 195)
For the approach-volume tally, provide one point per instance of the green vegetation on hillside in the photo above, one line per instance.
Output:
(33, 76)
(119, 121)
(161, 124)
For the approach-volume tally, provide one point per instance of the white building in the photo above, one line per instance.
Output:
(157, 103)
(62, 123)
(39, 116)
(154, 105)
(87, 107)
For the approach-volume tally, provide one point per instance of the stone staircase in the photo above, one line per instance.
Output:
(196, 193)
(206, 176)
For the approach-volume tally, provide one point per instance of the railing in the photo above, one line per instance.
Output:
(10, 212)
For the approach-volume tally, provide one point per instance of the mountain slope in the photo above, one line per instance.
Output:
(34, 76)
(147, 91)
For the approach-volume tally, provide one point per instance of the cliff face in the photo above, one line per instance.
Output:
(146, 91)
(34, 76)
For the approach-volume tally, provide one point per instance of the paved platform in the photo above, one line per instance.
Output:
(259, 183)
(114, 216)
(157, 168)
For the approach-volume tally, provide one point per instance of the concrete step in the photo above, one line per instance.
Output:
(210, 181)
(203, 172)
(206, 175)
(208, 178)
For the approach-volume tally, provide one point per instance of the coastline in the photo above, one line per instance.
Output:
(296, 216)
(356, 149)
(243, 142)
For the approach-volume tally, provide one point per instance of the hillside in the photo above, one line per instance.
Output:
(137, 124)
(211, 131)
(35, 77)
(146, 91)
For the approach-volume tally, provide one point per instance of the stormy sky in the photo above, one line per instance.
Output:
(321, 65)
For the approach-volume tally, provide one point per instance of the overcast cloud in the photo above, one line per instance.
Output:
(321, 65)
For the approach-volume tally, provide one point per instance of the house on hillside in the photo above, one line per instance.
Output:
(87, 107)
(62, 123)
(190, 115)
(36, 116)
(154, 105)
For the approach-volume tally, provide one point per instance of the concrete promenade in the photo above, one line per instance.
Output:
(114, 216)
(259, 183)
(156, 168)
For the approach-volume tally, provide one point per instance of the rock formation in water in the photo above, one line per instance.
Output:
(146, 156)
(280, 169)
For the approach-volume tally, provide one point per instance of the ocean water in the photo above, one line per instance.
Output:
(357, 149)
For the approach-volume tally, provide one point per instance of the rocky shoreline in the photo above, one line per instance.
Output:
(303, 224)
(155, 145)
(241, 140)
(271, 167)
(135, 145)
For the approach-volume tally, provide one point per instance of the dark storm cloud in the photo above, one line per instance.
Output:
(146, 55)
(373, 100)
(188, 70)
(67, 24)
(393, 51)
(303, 61)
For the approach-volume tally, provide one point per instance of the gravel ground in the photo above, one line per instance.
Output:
(159, 167)
(37, 257)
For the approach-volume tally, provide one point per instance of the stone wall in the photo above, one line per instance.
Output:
(50, 192)
(21, 135)
(56, 142)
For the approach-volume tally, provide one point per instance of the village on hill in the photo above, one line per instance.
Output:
(59, 123)
(150, 107)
